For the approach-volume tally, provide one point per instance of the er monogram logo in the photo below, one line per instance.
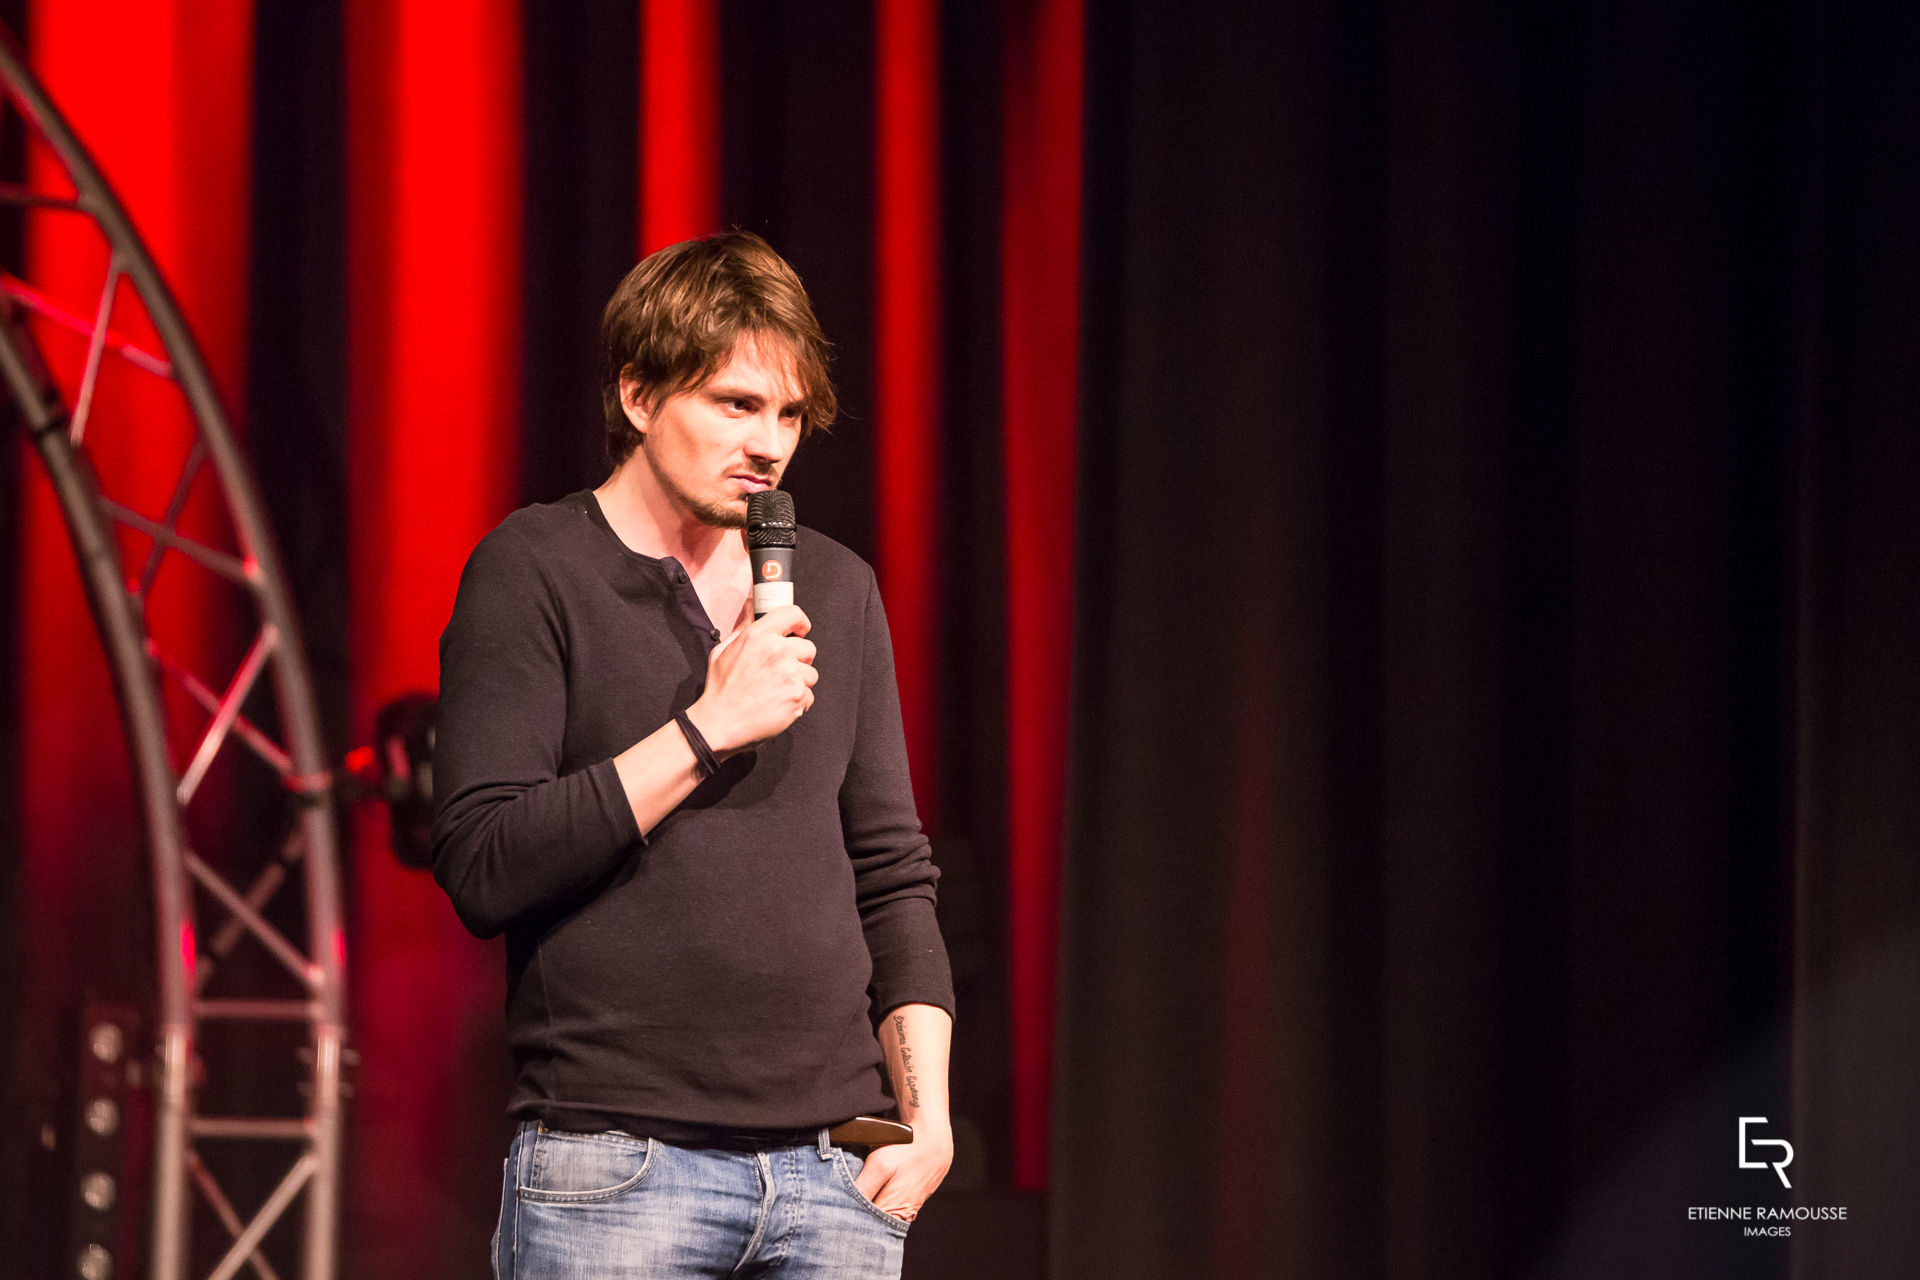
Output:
(1778, 1166)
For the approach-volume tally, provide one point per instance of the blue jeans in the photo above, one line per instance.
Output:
(593, 1206)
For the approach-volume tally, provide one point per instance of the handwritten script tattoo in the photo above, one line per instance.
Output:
(906, 1060)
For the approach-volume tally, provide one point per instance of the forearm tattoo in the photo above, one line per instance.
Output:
(911, 1082)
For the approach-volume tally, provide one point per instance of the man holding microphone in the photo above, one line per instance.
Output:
(695, 828)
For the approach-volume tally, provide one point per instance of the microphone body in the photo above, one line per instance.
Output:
(771, 534)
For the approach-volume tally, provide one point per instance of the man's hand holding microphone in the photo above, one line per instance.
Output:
(758, 682)
(761, 680)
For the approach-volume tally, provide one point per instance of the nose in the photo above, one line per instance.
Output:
(771, 439)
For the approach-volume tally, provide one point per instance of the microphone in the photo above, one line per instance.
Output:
(770, 540)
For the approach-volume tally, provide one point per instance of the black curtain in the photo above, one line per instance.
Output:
(1498, 679)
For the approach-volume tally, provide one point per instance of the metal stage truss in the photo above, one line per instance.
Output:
(121, 549)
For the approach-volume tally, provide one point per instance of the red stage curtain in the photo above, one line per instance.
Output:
(907, 387)
(1040, 292)
(434, 174)
(679, 121)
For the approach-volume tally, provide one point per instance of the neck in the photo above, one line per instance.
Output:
(649, 520)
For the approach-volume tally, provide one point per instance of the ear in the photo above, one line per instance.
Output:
(633, 402)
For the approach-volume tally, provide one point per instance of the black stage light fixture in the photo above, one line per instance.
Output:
(397, 769)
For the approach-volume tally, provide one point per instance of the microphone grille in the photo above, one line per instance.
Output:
(770, 519)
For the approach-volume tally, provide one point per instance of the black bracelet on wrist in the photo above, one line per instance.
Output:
(702, 753)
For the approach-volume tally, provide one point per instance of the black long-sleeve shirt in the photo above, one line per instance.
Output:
(717, 970)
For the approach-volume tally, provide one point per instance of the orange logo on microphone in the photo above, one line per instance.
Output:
(770, 570)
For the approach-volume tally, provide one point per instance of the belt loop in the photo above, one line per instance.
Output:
(826, 1144)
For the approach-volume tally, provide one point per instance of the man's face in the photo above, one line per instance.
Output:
(733, 435)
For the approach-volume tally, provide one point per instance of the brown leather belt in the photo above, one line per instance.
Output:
(869, 1131)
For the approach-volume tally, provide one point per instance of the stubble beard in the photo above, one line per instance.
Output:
(717, 515)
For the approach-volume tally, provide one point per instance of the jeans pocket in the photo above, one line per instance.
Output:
(577, 1168)
(849, 1166)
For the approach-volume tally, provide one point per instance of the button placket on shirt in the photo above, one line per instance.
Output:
(690, 606)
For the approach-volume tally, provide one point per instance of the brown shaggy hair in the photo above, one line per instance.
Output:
(676, 318)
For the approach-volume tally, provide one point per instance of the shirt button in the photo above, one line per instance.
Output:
(680, 576)
(713, 632)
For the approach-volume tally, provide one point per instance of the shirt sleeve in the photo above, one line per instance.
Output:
(511, 834)
(893, 869)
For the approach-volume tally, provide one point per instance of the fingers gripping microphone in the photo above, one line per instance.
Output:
(770, 540)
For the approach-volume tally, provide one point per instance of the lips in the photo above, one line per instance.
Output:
(755, 483)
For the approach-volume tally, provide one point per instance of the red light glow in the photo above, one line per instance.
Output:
(907, 365)
(1040, 318)
(679, 121)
